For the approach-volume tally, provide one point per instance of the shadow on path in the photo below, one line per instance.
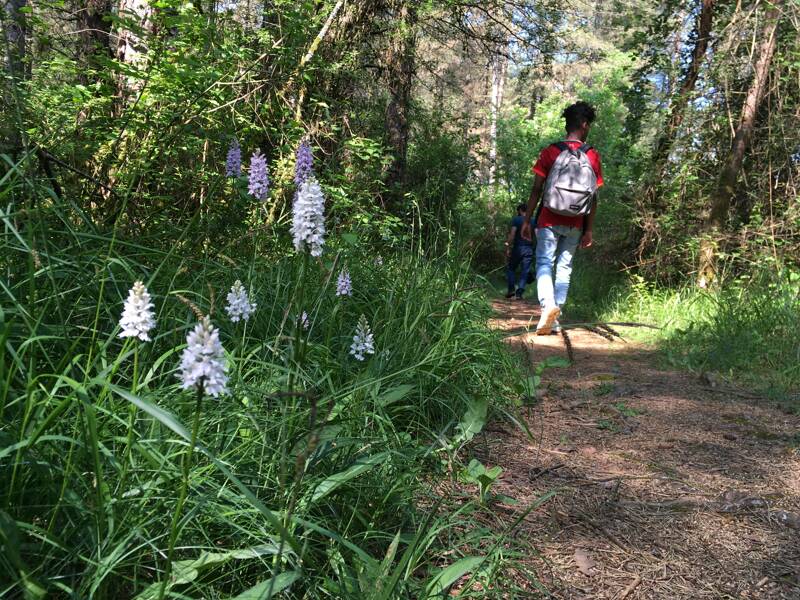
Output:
(666, 486)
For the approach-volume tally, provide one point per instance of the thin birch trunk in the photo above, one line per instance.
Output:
(312, 49)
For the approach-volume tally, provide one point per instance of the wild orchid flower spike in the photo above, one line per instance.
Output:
(203, 363)
(233, 162)
(258, 179)
(304, 163)
(137, 315)
(363, 341)
(239, 305)
(344, 286)
(308, 218)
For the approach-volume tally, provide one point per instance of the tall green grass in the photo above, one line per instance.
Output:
(306, 481)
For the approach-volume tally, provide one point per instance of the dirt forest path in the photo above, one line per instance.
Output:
(668, 486)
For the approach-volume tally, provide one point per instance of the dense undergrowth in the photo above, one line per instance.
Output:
(309, 475)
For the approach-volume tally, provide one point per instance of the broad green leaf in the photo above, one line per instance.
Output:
(533, 382)
(473, 421)
(395, 394)
(260, 590)
(183, 572)
(494, 472)
(164, 417)
(449, 575)
(362, 465)
(186, 571)
(475, 468)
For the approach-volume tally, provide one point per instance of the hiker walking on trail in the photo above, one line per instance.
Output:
(562, 203)
(519, 252)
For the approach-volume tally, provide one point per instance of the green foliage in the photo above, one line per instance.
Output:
(626, 411)
(289, 479)
(761, 217)
(607, 425)
(518, 141)
(440, 170)
(603, 389)
(476, 473)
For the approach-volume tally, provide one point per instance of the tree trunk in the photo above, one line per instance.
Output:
(131, 48)
(729, 174)
(14, 33)
(14, 30)
(536, 99)
(400, 65)
(499, 65)
(95, 34)
(681, 99)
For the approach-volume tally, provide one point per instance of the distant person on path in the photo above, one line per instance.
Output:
(519, 251)
(566, 179)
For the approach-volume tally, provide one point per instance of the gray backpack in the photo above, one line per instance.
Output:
(571, 184)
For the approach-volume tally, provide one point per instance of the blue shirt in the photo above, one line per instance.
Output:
(517, 222)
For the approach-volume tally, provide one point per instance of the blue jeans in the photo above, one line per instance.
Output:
(556, 245)
(520, 255)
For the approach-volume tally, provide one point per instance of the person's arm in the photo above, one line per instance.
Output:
(587, 237)
(510, 239)
(533, 201)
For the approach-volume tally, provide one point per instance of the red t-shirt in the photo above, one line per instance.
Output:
(548, 156)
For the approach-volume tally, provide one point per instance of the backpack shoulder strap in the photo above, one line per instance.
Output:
(564, 146)
(561, 147)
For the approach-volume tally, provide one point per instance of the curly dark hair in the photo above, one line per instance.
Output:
(577, 114)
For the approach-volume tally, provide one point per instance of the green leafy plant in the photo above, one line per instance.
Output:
(626, 411)
(476, 473)
(534, 380)
(603, 389)
(607, 424)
